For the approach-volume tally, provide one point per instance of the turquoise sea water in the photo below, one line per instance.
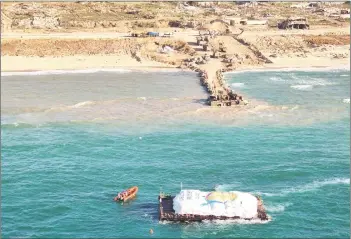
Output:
(71, 141)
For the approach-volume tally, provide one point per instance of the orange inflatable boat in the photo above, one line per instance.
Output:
(127, 194)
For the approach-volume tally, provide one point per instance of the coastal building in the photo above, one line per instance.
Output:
(294, 22)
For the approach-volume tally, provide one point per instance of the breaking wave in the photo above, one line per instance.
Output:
(238, 85)
(60, 72)
(81, 104)
(347, 101)
(294, 108)
(19, 125)
(297, 81)
(308, 187)
(302, 87)
(309, 69)
(75, 106)
(315, 82)
(274, 78)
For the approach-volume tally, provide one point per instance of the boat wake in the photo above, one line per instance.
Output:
(308, 187)
(277, 208)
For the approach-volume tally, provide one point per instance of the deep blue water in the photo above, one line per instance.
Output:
(59, 177)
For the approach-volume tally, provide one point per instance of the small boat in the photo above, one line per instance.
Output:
(126, 194)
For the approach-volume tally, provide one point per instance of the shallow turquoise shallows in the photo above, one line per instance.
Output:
(71, 141)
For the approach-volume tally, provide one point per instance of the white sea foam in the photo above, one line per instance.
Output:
(294, 108)
(21, 124)
(81, 104)
(303, 81)
(308, 187)
(60, 72)
(310, 69)
(274, 78)
(68, 107)
(302, 87)
(277, 207)
(307, 80)
(238, 221)
(230, 221)
(264, 115)
(238, 85)
(347, 101)
(316, 81)
(226, 187)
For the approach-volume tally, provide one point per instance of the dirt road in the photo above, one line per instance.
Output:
(181, 34)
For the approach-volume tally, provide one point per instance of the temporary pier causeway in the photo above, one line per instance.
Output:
(228, 50)
(220, 93)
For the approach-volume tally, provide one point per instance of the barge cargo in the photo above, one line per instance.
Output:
(167, 212)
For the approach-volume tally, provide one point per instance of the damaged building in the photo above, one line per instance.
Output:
(294, 23)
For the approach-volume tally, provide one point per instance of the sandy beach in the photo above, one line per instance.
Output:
(15, 58)
(40, 47)
(47, 63)
(36, 63)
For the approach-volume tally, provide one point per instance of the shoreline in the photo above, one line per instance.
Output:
(146, 68)
(91, 70)
(293, 68)
(77, 63)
